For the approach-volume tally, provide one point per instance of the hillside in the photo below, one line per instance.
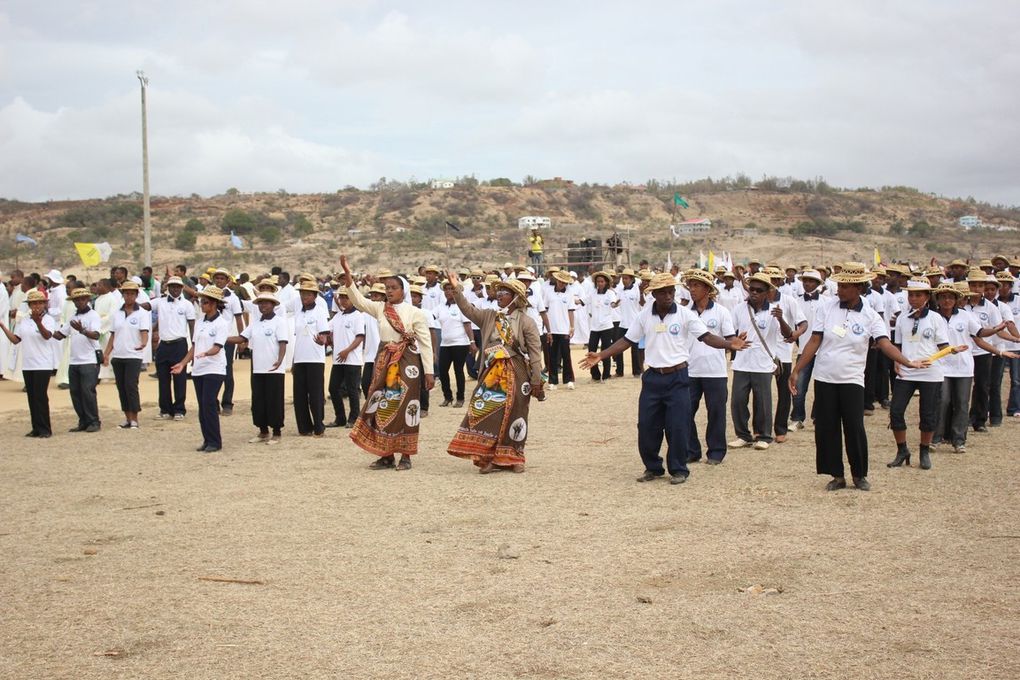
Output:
(404, 225)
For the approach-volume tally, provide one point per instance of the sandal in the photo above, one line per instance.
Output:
(404, 464)
(382, 464)
(487, 469)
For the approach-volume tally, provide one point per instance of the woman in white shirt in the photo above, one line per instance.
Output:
(129, 336)
(34, 334)
(456, 342)
(209, 369)
(842, 331)
(267, 334)
(82, 331)
(599, 307)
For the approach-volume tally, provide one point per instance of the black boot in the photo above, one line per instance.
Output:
(902, 456)
(925, 458)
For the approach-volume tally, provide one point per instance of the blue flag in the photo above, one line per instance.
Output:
(21, 238)
(453, 226)
(236, 241)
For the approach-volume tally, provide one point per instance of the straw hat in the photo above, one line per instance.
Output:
(378, 288)
(662, 280)
(551, 270)
(1004, 277)
(174, 281)
(627, 271)
(774, 272)
(1000, 257)
(35, 296)
(525, 276)
(341, 290)
(432, 268)
(79, 293)
(761, 277)
(491, 279)
(417, 281)
(933, 271)
(811, 274)
(823, 268)
(603, 274)
(720, 268)
(267, 285)
(477, 272)
(853, 272)
(224, 272)
(385, 274)
(417, 289)
(754, 260)
(464, 271)
(266, 297)
(947, 288)
(645, 275)
(962, 288)
(129, 285)
(516, 287)
(701, 276)
(959, 263)
(976, 275)
(1015, 262)
(918, 285)
(213, 293)
(878, 271)
(990, 278)
(308, 287)
(305, 276)
(562, 276)
(508, 264)
(729, 275)
(986, 263)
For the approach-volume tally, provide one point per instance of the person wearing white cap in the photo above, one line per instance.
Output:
(34, 334)
(175, 323)
(56, 295)
(808, 302)
(82, 331)
(347, 338)
(267, 334)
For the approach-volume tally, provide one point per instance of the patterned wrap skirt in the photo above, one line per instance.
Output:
(388, 422)
(495, 428)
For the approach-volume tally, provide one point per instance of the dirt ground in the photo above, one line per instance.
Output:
(108, 539)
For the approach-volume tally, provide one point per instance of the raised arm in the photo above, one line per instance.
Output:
(360, 302)
(477, 316)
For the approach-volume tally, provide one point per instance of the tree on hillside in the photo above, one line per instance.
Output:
(897, 228)
(237, 221)
(194, 225)
(921, 229)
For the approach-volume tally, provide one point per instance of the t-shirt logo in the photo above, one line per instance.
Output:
(180, 311)
(762, 323)
(712, 323)
(959, 328)
(267, 331)
(983, 315)
(857, 329)
(674, 329)
(133, 322)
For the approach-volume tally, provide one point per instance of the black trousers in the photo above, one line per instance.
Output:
(998, 368)
(784, 400)
(882, 378)
(173, 389)
(267, 401)
(715, 393)
(36, 384)
(309, 397)
(228, 382)
(903, 392)
(982, 385)
(618, 359)
(839, 419)
(871, 371)
(83, 379)
(207, 389)
(126, 372)
(746, 384)
(474, 360)
(344, 383)
(424, 396)
(455, 355)
(559, 358)
(636, 356)
(598, 341)
(366, 378)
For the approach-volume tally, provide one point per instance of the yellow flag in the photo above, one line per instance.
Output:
(878, 258)
(711, 261)
(88, 253)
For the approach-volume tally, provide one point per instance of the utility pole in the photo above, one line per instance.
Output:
(146, 220)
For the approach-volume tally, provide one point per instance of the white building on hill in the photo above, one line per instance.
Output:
(442, 184)
(970, 222)
(534, 222)
(688, 227)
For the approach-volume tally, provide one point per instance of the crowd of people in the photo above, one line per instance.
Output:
(746, 343)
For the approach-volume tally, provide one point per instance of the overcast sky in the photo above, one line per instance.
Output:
(312, 95)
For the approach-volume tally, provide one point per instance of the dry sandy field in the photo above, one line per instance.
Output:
(128, 555)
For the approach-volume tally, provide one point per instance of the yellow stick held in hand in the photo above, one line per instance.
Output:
(946, 351)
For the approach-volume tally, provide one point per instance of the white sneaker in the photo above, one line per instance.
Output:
(796, 425)
(178, 416)
(761, 445)
(570, 385)
(738, 444)
(550, 387)
(164, 416)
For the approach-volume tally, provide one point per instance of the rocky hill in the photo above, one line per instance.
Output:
(403, 225)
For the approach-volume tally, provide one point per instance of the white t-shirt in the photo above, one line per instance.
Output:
(846, 334)
(630, 303)
(1007, 315)
(808, 307)
(264, 337)
(36, 352)
(371, 343)
(987, 316)
(451, 323)
(961, 328)
(432, 296)
(931, 331)
(345, 328)
(731, 298)
(308, 324)
(793, 316)
(754, 358)
(127, 330)
(557, 306)
(210, 333)
(705, 361)
(172, 317)
(1014, 307)
(83, 348)
(667, 339)
(600, 309)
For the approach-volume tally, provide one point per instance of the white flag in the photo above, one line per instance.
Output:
(701, 260)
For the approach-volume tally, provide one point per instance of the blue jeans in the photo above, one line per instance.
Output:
(715, 393)
(799, 413)
(664, 408)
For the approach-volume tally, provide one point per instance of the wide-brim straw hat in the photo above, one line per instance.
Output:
(525, 276)
(563, 276)
(627, 271)
(729, 275)
(1000, 257)
(129, 285)
(516, 287)
(811, 274)
(378, 288)
(761, 277)
(976, 275)
(432, 268)
(604, 274)
(824, 268)
(308, 287)
(774, 272)
(918, 285)
(174, 281)
(701, 276)
(477, 272)
(962, 287)
(947, 288)
(959, 263)
(754, 260)
(416, 289)
(1015, 262)
(646, 275)
(267, 285)
(986, 263)
(35, 296)
(266, 297)
(212, 292)
(341, 289)
(386, 274)
(224, 272)
(853, 272)
(662, 280)
(508, 264)
(491, 279)
(1004, 277)
(79, 293)
(417, 281)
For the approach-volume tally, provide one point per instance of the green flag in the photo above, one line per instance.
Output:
(679, 200)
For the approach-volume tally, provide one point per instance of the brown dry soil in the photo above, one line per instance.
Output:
(108, 539)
